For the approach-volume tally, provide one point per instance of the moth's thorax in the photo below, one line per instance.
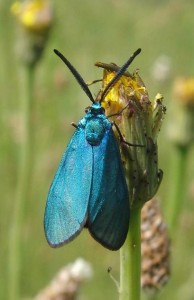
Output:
(94, 131)
(95, 124)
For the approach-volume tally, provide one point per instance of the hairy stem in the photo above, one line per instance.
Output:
(130, 260)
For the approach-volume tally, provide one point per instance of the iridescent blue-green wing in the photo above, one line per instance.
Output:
(67, 203)
(108, 213)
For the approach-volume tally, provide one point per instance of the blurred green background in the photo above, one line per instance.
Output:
(85, 32)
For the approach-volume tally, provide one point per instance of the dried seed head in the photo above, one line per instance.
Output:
(66, 283)
(155, 248)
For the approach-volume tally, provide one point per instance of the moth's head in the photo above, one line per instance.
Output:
(96, 109)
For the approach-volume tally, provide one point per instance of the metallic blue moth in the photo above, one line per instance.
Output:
(89, 188)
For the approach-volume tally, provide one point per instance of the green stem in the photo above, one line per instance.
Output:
(23, 183)
(176, 194)
(130, 260)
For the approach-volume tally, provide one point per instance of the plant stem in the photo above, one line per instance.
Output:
(174, 205)
(23, 183)
(130, 260)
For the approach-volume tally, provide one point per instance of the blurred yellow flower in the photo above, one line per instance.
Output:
(181, 126)
(35, 18)
(184, 90)
(35, 15)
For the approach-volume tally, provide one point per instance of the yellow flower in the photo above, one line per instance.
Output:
(127, 84)
(184, 90)
(35, 18)
(35, 15)
(130, 95)
(139, 122)
(181, 129)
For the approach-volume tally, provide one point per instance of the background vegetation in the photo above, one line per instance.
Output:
(86, 32)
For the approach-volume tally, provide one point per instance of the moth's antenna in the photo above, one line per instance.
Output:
(119, 74)
(75, 73)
